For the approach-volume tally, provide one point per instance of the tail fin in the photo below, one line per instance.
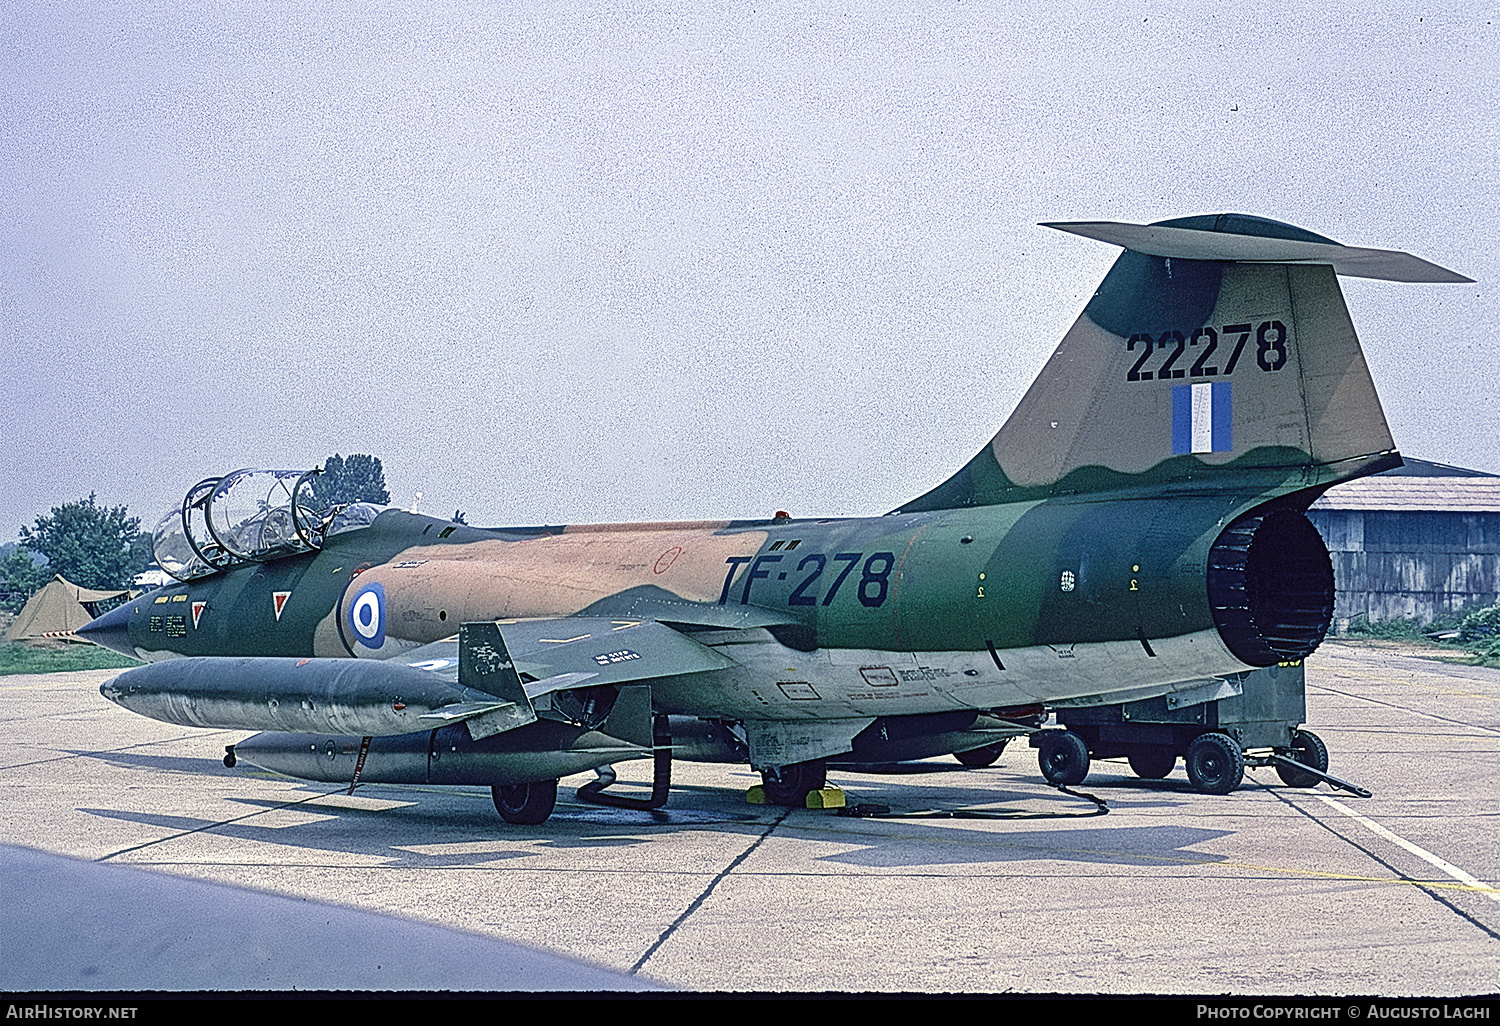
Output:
(1216, 344)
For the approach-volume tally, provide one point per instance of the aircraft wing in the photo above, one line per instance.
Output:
(487, 677)
(521, 660)
(566, 652)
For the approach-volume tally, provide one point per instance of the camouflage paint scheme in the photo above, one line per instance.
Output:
(1067, 560)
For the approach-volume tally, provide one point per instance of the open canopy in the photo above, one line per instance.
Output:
(249, 516)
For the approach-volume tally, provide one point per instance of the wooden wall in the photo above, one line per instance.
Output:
(1390, 565)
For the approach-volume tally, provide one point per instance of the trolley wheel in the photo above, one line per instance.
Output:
(1063, 756)
(978, 758)
(525, 804)
(1215, 764)
(1308, 749)
(1152, 764)
(789, 785)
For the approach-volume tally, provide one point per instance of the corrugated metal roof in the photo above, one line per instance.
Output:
(1443, 494)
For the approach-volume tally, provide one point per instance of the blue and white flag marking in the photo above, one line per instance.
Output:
(1202, 415)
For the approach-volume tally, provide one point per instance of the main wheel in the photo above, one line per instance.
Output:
(789, 785)
(1214, 764)
(1308, 749)
(525, 804)
(1151, 764)
(1064, 757)
(978, 758)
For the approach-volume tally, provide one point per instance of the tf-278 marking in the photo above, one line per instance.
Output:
(874, 584)
(1270, 338)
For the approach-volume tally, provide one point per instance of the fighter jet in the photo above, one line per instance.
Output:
(1134, 529)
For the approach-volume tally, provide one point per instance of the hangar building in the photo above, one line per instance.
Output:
(1418, 542)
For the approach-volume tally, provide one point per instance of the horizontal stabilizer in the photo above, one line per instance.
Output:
(1192, 244)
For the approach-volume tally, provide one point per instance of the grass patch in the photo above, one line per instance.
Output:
(23, 657)
(1472, 651)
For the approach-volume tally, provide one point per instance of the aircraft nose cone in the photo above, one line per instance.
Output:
(109, 690)
(111, 631)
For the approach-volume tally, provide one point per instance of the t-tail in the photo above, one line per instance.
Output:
(1217, 349)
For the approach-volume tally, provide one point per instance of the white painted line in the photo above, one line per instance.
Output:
(1422, 853)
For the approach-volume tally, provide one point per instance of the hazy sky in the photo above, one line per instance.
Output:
(666, 261)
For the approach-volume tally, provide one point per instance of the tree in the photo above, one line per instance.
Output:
(354, 478)
(20, 577)
(91, 545)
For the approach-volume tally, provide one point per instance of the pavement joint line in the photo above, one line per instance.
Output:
(701, 898)
(1406, 709)
(1271, 873)
(110, 751)
(211, 826)
(1413, 682)
(1469, 882)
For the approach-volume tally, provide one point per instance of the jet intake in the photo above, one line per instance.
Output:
(1270, 585)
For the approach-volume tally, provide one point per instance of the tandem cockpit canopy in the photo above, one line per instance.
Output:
(251, 516)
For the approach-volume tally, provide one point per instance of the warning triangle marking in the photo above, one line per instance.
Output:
(278, 600)
(198, 608)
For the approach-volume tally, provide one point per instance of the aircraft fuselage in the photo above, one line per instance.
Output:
(922, 612)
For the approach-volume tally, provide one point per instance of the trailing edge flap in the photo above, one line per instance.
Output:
(1194, 244)
(477, 659)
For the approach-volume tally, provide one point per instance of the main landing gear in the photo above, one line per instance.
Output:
(525, 804)
(790, 785)
(979, 758)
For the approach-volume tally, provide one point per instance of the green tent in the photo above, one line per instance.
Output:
(58, 610)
